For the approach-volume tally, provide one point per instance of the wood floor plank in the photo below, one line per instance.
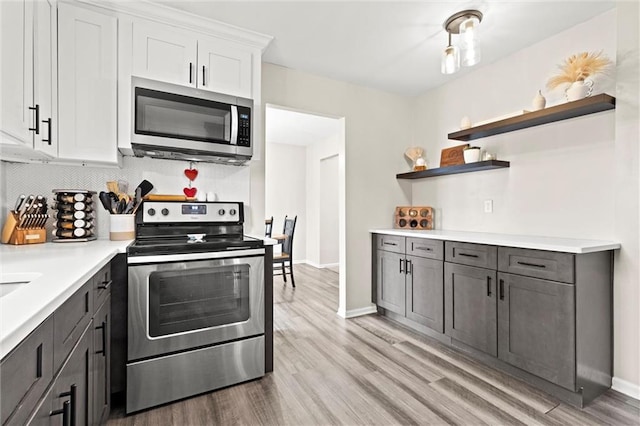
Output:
(370, 371)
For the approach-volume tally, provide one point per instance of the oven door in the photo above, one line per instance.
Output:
(185, 301)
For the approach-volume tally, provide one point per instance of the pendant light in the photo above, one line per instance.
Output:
(466, 24)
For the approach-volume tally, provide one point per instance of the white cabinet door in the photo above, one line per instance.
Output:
(16, 36)
(87, 76)
(162, 52)
(45, 78)
(224, 67)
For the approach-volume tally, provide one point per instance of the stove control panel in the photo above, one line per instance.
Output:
(181, 212)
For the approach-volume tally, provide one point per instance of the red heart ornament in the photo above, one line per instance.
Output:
(190, 192)
(191, 174)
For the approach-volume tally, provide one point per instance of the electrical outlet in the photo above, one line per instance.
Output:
(488, 206)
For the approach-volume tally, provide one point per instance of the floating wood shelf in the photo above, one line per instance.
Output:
(452, 170)
(590, 105)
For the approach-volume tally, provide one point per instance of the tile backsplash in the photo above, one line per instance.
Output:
(229, 183)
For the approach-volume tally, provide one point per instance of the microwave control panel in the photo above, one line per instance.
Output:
(244, 126)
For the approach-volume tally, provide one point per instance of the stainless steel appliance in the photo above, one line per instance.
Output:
(184, 123)
(196, 316)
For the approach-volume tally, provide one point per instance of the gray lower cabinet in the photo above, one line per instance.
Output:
(470, 306)
(536, 327)
(425, 301)
(390, 281)
(101, 372)
(60, 373)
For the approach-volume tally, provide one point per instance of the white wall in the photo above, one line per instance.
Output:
(329, 214)
(376, 135)
(316, 152)
(286, 191)
(576, 178)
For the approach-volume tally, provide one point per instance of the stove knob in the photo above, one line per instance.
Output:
(232, 212)
(151, 212)
(165, 212)
(221, 212)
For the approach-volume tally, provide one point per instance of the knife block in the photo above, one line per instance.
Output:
(12, 234)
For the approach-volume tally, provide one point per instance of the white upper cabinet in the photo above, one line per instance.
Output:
(28, 80)
(87, 85)
(164, 53)
(224, 67)
(167, 53)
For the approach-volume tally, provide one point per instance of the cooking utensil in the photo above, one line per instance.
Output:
(105, 199)
(145, 187)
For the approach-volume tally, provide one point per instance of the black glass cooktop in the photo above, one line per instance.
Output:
(196, 243)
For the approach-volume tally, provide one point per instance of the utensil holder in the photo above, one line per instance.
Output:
(122, 227)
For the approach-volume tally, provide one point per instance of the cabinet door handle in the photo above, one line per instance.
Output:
(105, 284)
(489, 286)
(39, 361)
(37, 110)
(501, 289)
(72, 408)
(535, 265)
(103, 327)
(48, 140)
(389, 244)
(468, 255)
(190, 72)
(203, 76)
(401, 261)
(64, 411)
(409, 267)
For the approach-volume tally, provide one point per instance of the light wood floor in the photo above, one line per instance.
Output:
(371, 371)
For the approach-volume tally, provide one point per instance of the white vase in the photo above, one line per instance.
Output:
(539, 102)
(465, 123)
(579, 90)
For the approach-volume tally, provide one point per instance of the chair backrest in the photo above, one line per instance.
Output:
(268, 227)
(288, 230)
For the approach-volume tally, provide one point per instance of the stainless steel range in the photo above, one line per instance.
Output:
(196, 302)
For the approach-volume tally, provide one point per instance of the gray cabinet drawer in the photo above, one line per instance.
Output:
(432, 249)
(70, 320)
(547, 265)
(479, 255)
(101, 285)
(392, 243)
(26, 372)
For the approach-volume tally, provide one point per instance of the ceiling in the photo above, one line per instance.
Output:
(393, 46)
(297, 128)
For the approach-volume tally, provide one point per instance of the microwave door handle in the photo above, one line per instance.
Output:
(234, 125)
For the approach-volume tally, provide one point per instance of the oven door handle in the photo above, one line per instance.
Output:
(226, 254)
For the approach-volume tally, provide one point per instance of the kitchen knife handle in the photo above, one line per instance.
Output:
(203, 76)
(190, 72)
(37, 110)
(501, 289)
(489, 286)
(48, 140)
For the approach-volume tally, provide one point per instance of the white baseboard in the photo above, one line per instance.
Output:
(625, 387)
(352, 313)
(329, 265)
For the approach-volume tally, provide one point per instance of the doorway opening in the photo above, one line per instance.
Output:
(305, 177)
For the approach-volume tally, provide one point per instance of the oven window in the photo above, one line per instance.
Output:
(193, 299)
(182, 117)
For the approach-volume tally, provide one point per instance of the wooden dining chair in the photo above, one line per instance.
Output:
(268, 227)
(287, 250)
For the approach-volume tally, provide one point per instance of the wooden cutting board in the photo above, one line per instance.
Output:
(167, 197)
(452, 156)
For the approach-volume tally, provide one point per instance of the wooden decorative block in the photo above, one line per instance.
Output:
(414, 217)
(452, 156)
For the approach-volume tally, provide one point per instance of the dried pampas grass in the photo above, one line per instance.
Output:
(579, 67)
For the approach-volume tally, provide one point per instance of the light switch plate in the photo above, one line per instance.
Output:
(488, 206)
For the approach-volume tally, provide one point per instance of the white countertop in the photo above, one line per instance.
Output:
(60, 270)
(566, 245)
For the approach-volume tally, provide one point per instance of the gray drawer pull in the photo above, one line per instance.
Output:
(389, 244)
(489, 286)
(401, 261)
(409, 267)
(424, 248)
(39, 361)
(501, 289)
(535, 265)
(105, 284)
(468, 255)
(65, 410)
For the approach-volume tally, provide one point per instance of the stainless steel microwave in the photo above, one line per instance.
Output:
(184, 123)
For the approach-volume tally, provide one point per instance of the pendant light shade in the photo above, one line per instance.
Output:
(450, 59)
(465, 23)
